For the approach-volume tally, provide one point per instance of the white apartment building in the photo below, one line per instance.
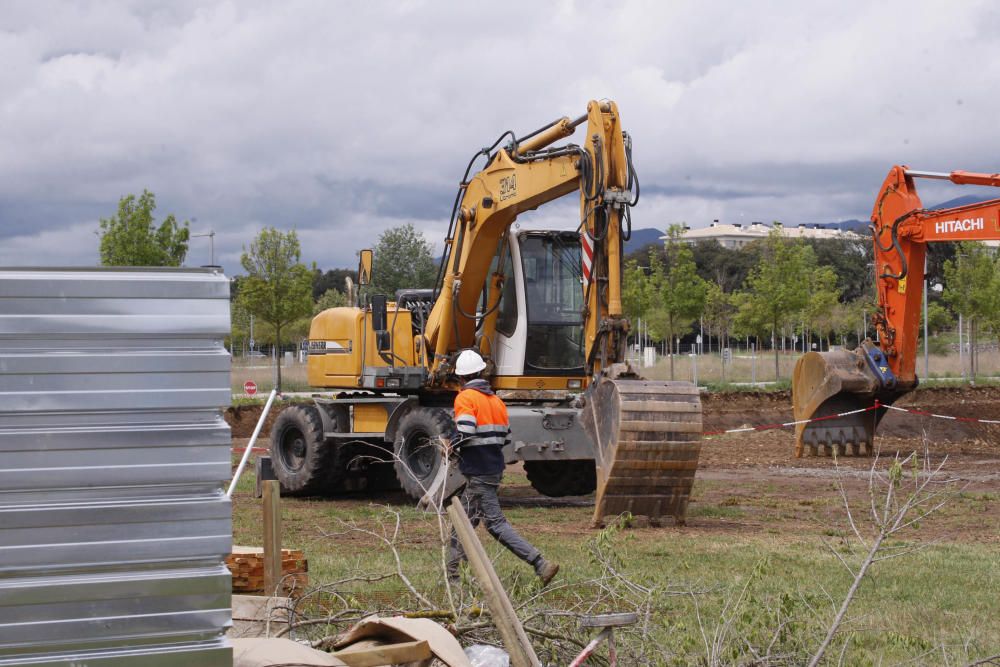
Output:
(737, 235)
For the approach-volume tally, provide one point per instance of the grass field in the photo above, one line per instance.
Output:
(754, 567)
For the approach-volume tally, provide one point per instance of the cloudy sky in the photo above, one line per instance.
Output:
(341, 119)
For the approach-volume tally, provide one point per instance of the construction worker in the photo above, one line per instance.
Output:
(483, 430)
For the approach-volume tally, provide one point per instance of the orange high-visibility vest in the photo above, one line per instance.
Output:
(482, 422)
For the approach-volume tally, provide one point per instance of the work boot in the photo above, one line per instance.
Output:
(546, 570)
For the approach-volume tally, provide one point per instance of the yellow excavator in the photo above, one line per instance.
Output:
(544, 308)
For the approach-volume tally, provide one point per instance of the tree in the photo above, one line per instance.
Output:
(777, 288)
(679, 296)
(720, 310)
(971, 280)
(278, 287)
(403, 259)
(636, 291)
(131, 237)
(819, 313)
(327, 280)
(332, 298)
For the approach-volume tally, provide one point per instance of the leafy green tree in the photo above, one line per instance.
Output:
(636, 291)
(851, 261)
(332, 279)
(939, 318)
(278, 286)
(679, 296)
(132, 238)
(402, 259)
(777, 288)
(726, 267)
(819, 313)
(720, 311)
(332, 298)
(970, 287)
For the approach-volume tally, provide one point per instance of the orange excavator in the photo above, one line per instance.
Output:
(841, 393)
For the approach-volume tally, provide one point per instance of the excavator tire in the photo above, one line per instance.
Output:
(647, 438)
(418, 456)
(562, 478)
(303, 462)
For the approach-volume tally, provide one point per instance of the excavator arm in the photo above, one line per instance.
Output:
(520, 177)
(645, 434)
(831, 383)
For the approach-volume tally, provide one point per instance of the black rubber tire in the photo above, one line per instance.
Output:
(562, 478)
(303, 463)
(417, 457)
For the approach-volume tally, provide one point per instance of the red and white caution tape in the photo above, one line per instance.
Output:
(924, 413)
(912, 411)
(770, 427)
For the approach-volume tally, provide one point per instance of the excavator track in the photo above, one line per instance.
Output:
(647, 438)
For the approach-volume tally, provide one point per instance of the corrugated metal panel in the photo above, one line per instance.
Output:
(113, 458)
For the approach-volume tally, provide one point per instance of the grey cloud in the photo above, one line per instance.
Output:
(341, 120)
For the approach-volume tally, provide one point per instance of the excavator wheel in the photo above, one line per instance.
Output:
(303, 462)
(562, 478)
(419, 456)
(647, 438)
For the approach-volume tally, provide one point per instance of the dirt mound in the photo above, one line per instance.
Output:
(741, 409)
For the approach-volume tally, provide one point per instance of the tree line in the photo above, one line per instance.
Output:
(787, 293)
(783, 293)
(278, 294)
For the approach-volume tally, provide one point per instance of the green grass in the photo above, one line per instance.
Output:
(774, 549)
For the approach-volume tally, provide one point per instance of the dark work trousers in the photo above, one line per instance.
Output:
(481, 504)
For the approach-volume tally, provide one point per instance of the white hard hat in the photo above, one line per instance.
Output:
(469, 363)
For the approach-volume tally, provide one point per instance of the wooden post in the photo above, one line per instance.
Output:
(272, 537)
(511, 630)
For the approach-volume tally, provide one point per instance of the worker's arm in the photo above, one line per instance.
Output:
(465, 420)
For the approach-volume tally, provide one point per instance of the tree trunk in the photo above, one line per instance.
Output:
(277, 343)
(670, 346)
(776, 371)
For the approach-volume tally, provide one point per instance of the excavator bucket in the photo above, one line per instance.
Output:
(825, 386)
(647, 438)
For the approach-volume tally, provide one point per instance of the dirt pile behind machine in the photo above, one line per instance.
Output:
(543, 307)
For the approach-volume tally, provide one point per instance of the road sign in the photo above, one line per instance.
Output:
(250, 387)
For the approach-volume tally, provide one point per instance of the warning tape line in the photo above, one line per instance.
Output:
(912, 411)
(924, 413)
(771, 427)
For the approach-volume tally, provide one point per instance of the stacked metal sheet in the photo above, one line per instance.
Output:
(113, 455)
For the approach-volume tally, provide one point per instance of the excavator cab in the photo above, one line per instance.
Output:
(539, 329)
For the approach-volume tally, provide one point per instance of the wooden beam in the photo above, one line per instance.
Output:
(511, 631)
(390, 654)
(272, 537)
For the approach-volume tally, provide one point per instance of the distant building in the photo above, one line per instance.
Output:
(737, 235)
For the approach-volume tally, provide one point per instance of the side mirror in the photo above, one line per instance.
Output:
(365, 267)
(380, 322)
(380, 317)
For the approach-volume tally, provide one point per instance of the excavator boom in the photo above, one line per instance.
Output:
(826, 384)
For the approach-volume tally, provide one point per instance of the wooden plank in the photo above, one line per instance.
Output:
(511, 631)
(272, 537)
(390, 654)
